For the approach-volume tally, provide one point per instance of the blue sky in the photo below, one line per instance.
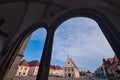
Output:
(35, 45)
(80, 38)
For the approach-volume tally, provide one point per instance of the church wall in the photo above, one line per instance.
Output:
(70, 69)
(77, 74)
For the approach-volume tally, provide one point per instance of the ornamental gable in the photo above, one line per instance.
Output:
(69, 63)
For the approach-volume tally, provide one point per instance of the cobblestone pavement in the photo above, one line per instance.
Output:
(100, 78)
(81, 78)
(58, 78)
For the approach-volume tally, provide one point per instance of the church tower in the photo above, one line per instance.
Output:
(70, 69)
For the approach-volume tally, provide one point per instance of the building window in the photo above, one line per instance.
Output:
(23, 73)
(68, 69)
(65, 69)
(25, 68)
(72, 69)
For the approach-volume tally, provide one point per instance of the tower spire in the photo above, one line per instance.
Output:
(68, 56)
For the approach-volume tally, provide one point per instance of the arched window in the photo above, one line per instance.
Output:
(28, 60)
(82, 39)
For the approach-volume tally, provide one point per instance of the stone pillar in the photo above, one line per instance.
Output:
(13, 69)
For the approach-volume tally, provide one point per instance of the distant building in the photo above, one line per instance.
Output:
(88, 73)
(70, 69)
(82, 73)
(56, 71)
(31, 69)
(113, 66)
(23, 68)
(101, 71)
(110, 68)
(34, 66)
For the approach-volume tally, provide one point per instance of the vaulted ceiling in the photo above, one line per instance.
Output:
(18, 15)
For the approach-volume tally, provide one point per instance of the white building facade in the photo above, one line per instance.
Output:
(70, 70)
(23, 68)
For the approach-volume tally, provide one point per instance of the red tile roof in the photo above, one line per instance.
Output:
(113, 60)
(110, 60)
(58, 67)
(52, 67)
(34, 63)
(24, 63)
(116, 59)
(55, 67)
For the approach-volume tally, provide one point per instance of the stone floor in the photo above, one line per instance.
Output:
(58, 78)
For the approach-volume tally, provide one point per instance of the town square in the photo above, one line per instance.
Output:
(59, 39)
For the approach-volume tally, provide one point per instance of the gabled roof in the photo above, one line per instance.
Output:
(70, 60)
(110, 60)
(34, 63)
(24, 63)
(115, 59)
(58, 67)
(52, 67)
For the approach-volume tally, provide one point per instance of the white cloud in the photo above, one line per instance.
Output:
(82, 39)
